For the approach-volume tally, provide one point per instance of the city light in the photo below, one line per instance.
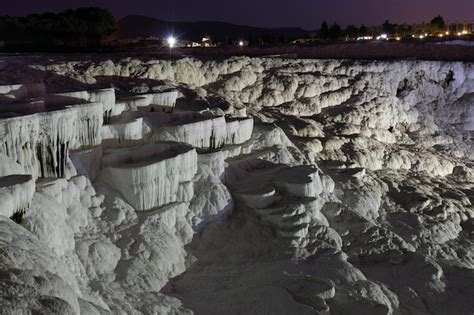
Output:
(171, 41)
(382, 37)
(241, 43)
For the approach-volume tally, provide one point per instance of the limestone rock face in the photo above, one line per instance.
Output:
(239, 186)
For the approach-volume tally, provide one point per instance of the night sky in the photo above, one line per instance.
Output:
(267, 13)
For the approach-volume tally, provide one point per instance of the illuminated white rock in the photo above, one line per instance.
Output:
(238, 130)
(202, 133)
(9, 166)
(130, 103)
(161, 101)
(153, 175)
(206, 132)
(394, 136)
(87, 161)
(41, 142)
(123, 134)
(257, 197)
(215, 161)
(303, 181)
(106, 97)
(44, 276)
(166, 99)
(16, 192)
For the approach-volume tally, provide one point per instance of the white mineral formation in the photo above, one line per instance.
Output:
(237, 186)
(16, 192)
(152, 176)
(41, 142)
(106, 97)
(123, 133)
(162, 101)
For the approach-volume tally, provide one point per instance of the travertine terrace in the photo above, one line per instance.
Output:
(238, 186)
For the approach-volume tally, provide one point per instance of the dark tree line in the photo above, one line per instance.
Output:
(335, 32)
(83, 27)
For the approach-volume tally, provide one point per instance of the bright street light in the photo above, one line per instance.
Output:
(171, 41)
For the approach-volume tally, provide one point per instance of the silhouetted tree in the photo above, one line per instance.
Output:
(437, 24)
(80, 27)
(324, 31)
(363, 30)
(404, 30)
(335, 32)
(99, 22)
(351, 31)
(389, 28)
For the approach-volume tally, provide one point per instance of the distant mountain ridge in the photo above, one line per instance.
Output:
(133, 26)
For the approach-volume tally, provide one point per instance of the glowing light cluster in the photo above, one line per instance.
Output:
(171, 40)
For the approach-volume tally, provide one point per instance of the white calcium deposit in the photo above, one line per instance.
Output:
(238, 186)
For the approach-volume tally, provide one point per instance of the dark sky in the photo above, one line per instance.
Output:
(268, 13)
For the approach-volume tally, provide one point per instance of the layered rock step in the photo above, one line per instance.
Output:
(159, 102)
(124, 133)
(41, 142)
(203, 131)
(151, 176)
(104, 96)
(16, 193)
(40, 129)
(288, 198)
